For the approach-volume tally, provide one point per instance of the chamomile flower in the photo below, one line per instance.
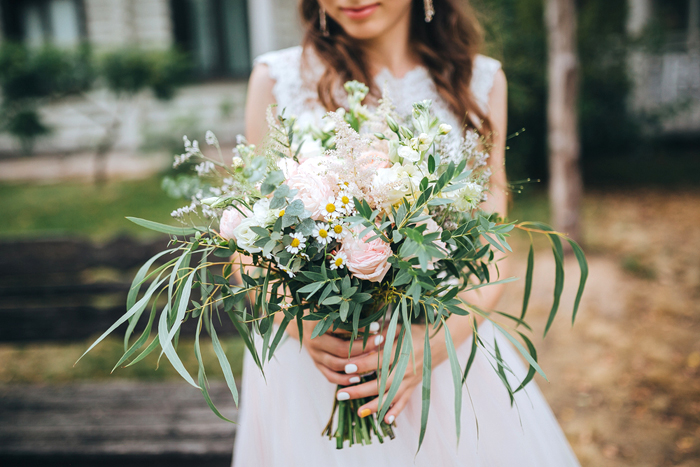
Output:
(338, 260)
(297, 244)
(339, 230)
(286, 269)
(345, 202)
(322, 234)
(331, 209)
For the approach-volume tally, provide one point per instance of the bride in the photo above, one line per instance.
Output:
(415, 50)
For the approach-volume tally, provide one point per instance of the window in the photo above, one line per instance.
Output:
(215, 34)
(39, 22)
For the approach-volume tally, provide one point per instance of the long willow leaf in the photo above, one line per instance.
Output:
(427, 374)
(143, 338)
(456, 378)
(158, 227)
(531, 371)
(528, 279)
(583, 265)
(201, 375)
(521, 349)
(138, 306)
(399, 372)
(472, 354)
(390, 333)
(225, 365)
(558, 252)
(166, 336)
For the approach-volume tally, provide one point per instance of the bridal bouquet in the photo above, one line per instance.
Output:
(372, 219)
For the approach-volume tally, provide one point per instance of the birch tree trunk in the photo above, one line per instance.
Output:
(565, 181)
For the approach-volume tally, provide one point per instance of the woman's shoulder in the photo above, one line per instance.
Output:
(484, 74)
(280, 58)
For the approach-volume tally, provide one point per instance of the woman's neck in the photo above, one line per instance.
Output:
(391, 50)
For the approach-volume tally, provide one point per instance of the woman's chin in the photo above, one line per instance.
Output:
(363, 32)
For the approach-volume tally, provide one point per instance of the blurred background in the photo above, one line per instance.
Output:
(95, 98)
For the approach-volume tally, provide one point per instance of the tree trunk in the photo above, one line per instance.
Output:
(565, 182)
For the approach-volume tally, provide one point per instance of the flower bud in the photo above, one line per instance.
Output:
(392, 124)
(444, 128)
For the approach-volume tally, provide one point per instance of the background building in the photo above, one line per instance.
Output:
(221, 38)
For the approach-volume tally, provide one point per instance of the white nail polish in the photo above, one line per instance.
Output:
(342, 396)
(350, 368)
(378, 340)
(374, 327)
(390, 419)
(354, 380)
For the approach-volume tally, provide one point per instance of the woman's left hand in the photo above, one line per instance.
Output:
(411, 379)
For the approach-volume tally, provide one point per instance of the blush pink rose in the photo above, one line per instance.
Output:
(315, 187)
(367, 260)
(230, 219)
(375, 159)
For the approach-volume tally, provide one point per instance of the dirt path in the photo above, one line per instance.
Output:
(625, 381)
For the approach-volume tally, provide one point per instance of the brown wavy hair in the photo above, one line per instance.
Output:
(446, 47)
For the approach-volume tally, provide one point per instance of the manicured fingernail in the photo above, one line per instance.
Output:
(390, 419)
(378, 340)
(350, 368)
(342, 396)
(354, 380)
(373, 327)
(365, 412)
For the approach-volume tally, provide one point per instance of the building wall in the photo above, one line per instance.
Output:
(79, 124)
(115, 23)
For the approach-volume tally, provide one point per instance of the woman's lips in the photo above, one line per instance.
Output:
(360, 12)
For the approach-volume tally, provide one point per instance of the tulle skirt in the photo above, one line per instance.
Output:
(281, 418)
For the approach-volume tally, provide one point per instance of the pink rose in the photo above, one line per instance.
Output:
(230, 219)
(367, 260)
(375, 159)
(314, 185)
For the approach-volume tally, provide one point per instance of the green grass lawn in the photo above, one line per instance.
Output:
(83, 209)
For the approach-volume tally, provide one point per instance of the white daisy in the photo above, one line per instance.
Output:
(331, 209)
(339, 230)
(338, 261)
(345, 203)
(322, 234)
(297, 244)
(286, 269)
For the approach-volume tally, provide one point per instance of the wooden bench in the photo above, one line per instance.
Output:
(67, 290)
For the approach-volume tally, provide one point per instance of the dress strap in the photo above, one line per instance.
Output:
(485, 69)
(294, 91)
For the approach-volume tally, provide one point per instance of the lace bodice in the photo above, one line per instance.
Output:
(295, 87)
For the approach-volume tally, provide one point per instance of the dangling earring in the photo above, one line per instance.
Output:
(322, 21)
(429, 10)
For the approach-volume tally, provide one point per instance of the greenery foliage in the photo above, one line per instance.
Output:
(516, 35)
(30, 77)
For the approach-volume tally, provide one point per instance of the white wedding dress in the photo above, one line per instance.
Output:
(281, 417)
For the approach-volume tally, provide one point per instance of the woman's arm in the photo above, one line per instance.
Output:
(486, 298)
(260, 97)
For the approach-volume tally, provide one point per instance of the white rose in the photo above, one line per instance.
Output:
(409, 154)
(245, 237)
(397, 182)
(468, 197)
(262, 212)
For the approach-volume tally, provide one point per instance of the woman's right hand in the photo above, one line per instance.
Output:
(330, 354)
